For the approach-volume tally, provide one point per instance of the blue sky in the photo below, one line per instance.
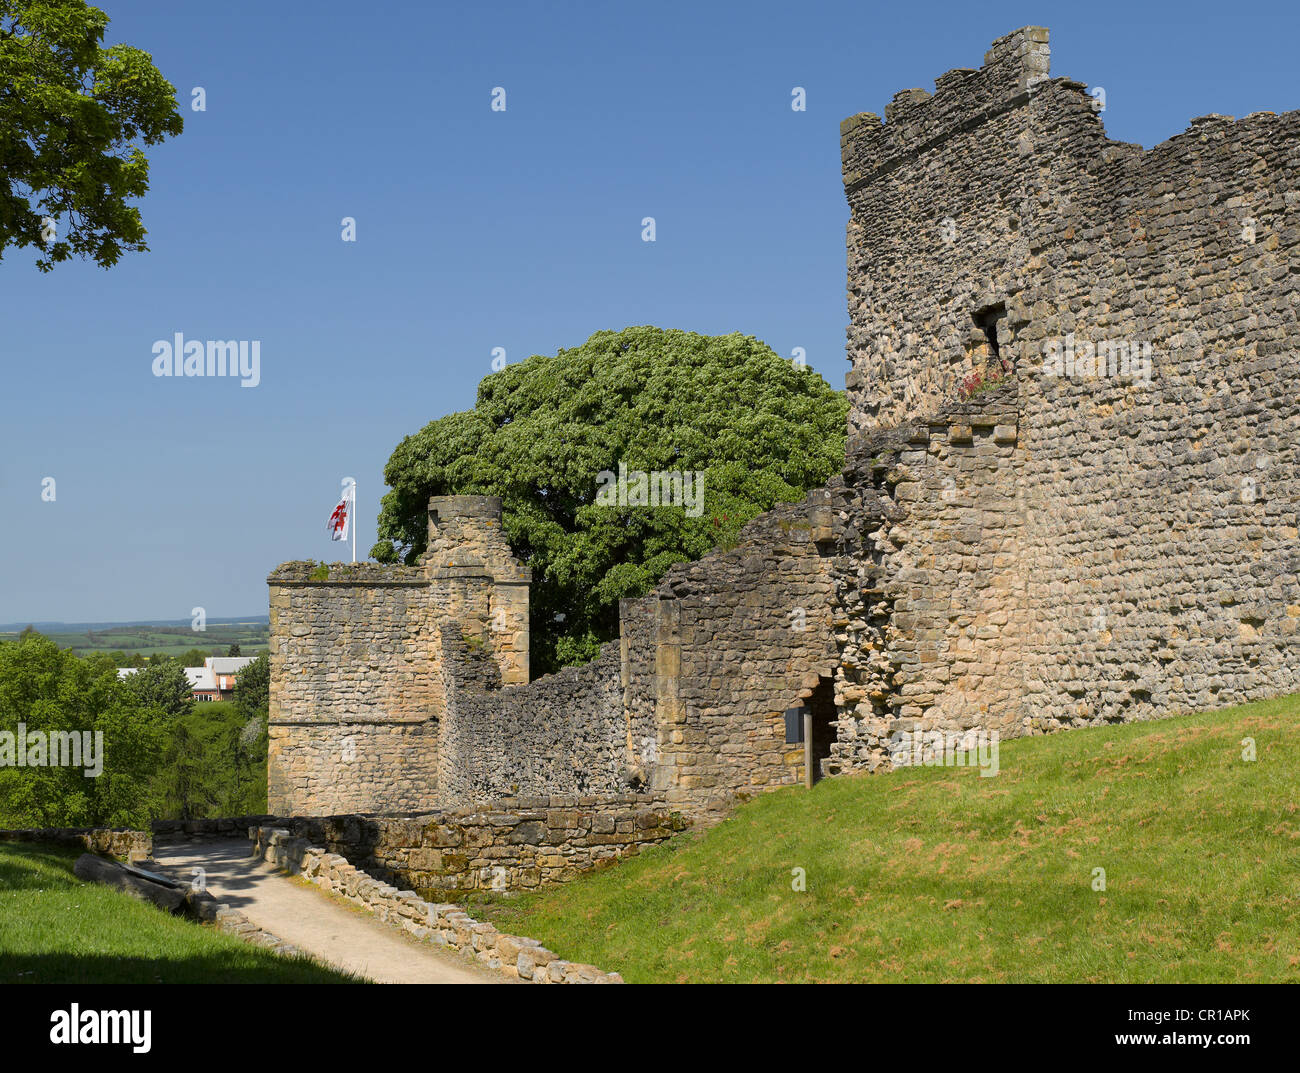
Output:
(475, 229)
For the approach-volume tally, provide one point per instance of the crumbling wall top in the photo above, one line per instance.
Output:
(307, 572)
(963, 98)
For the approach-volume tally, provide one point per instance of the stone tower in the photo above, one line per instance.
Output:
(476, 581)
(358, 690)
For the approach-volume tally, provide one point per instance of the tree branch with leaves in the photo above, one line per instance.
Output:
(74, 118)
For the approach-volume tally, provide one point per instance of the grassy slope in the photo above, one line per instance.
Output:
(56, 929)
(936, 874)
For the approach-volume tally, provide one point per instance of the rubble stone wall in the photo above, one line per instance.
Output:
(1127, 545)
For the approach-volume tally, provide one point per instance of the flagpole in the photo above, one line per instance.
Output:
(354, 521)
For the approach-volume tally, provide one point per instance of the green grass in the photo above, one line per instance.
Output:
(937, 874)
(56, 929)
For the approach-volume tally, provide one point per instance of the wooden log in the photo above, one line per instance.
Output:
(98, 870)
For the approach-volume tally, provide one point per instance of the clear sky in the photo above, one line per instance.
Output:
(475, 229)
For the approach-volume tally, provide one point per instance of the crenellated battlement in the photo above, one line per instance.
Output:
(1015, 66)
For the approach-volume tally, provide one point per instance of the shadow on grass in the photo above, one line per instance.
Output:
(234, 967)
(50, 912)
(35, 866)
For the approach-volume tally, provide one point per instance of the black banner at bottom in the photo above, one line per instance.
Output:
(214, 1023)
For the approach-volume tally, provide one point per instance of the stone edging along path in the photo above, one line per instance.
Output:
(445, 925)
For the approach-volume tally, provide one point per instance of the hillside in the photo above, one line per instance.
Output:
(937, 874)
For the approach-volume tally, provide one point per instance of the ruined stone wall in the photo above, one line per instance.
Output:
(358, 696)
(741, 635)
(352, 767)
(476, 580)
(639, 669)
(120, 842)
(397, 689)
(931, 587)
(942, 200)
(509, 844)
(354, 695)
(564, 733)
(1132, 541)
(689, 703)
(1163, 517)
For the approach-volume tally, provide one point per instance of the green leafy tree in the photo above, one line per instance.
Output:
(49, 690)
(163, 686)
(253, 686)
(128, 659)
(759, 428)
(246, 740)
(233, 650)
(193, 658)
(189, 783)
(216, 762)
(73, 118)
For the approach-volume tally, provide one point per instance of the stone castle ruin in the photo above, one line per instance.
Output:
(1108, 533)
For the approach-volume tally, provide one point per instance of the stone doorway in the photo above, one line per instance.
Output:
(821, 707)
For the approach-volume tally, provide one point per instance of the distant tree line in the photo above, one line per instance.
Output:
(195, 657)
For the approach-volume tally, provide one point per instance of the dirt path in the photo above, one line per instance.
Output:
(313, 922)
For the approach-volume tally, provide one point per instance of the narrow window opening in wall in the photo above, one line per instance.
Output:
(988, 320)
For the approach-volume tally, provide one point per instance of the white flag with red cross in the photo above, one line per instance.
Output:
(341, 519)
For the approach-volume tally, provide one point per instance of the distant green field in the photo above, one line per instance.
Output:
(252, 638)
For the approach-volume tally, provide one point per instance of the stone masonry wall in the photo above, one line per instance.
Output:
(1162, 517)
(511, 844)
(352, 689)
(742, 635)
(1140, 557)
(476, 580)
(564, 733)
(688, 703)
(931, 590)
(119, 842)
(358, 691)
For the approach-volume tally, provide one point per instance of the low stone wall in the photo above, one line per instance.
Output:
(443, 925)
(119, 842)
(513, 844)
(224, 827)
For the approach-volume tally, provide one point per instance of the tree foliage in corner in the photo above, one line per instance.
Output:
(73, 118)
(760, 429)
